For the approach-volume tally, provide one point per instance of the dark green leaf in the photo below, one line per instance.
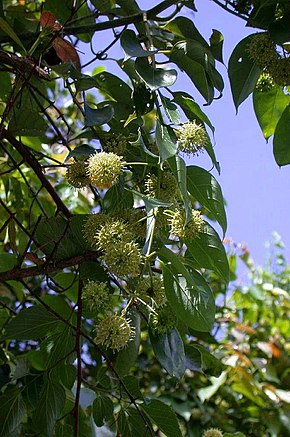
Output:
(117, 199)
(187, 292)
(193, 360)
(206, 190)
(103, 410)
(31, 324)
(185, 29)
(84, 150)
(171, 110)
(98, 117)
(166, 141)
(191, 108)
(5, 27)
(126, 358)
(269, 106)
(12, 412)
(281, 142)
(114, 87)
(216, 44)
(25, 122)
(178, 168)
(7, 261)
(154, 78)
(243, 72)
(208, 252)
(49, 408)
(65, 374)
(131, 423)
(132, 389)
(169, 351)
(209, 364)
(132, 47)
(163, 416)
(60, 346)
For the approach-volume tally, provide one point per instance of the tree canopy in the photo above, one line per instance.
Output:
(116, 317)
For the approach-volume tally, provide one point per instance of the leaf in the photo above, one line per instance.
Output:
(178, 168)
(47, 19)
(10, 32)
(132, 387)
(59, 346)
(12, 412)
(216, 45)
(171, 110)
(31, 324)
(83, 150)
(205, 393)
(209, 363)
(98, 117)
(166, 141)
(117, 199)
(103, 410)
(65, 374)
(185, 28)
(243, 72)
(132, 424)
(113, 87)
(169, 351)
(7, 261)
(132, 47)
(191, 108)
(127, 357)
(27, 122)
(187, 292)
(163, 416)
(208, 252)
(281, 141)
(66, 52)
(49, 407)
(154, 78)
(269, 106)
(207, 191)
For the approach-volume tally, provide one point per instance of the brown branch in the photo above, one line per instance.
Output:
(45, 269)
(22, 65)
(36, 167)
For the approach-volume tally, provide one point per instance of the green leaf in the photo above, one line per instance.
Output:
(103, 410)
(114, 87)
(163, 416)
(49, 407)
(12, 412)
(207, 191)
(171, 110)
(28, 123)
(132, 387)
(178, 168)
(132, 47)
(166, 141)
(10, 32)
(210, 365)
(7, 261)
(269, 106)
(117, 199)
(281, 142)
(83, 150)
(183, 56)
(208, 252)
(132, 424)
(216, 45)
(243, 72)
(65, 374)
(98, 117)
(154, 78)
(169, 351)
(31, 324)
(185, 28)
(60, 346)
(187, 292)
(127, 357)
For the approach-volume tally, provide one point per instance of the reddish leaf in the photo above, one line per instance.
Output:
(47, 19)
(66, 52)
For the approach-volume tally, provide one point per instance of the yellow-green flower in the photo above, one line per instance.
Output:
(192, 138)
(165, 189)
(116, 144)
(96, 295)
(104, 169)
(164, 320)
(152, 288)
(262, 50)
(184, 231)
(123, 259)
(114, 332)
(280, 72)
(112, 233)
(76, 175)
(265, 82)
(92, 226)
(213, 432)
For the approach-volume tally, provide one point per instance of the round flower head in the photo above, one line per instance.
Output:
(96, 295)
(114, 332)
(265, 82)
(166, 189)
(116, 144)
(152, 288)
(212, 432)
(123, 259)
(280, 72)
(92, 225)
(192, 138)
(104, 169)
(164, 320)
(187, 231)
(262, 50)
(113, 233)
(76, 175)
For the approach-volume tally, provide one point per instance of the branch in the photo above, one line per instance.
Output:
(22, 65)
(236, 14)
(36, 167)
(45, 269)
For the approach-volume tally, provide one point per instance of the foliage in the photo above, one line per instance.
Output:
(109, 269)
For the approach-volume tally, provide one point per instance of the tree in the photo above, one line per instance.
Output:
(107, 259)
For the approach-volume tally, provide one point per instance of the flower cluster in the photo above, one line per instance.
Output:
(92, 225)
(165, 189)
(192, 138)
(164, 320)
(124, 259)
(265, 82)
(213, 432)
(104, 169)
(116, 144)
(185, 231)
(113, 233)
(76, 174)
(262, 50)
(96, 295)
(280, 72)
(152, 288)
(114, 332)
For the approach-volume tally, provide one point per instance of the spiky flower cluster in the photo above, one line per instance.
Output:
(92, 225)
(116, 144)
(280, 72)
(165, 189)
(262, 50)
(114, 332)
(192, 138)
(96, 295)
(76, 174)
(112, 233)
(124, 259)
(104, 169)
(185, 231)
(152, 288)
(265, 82)
(164, 320)
(213, 432)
